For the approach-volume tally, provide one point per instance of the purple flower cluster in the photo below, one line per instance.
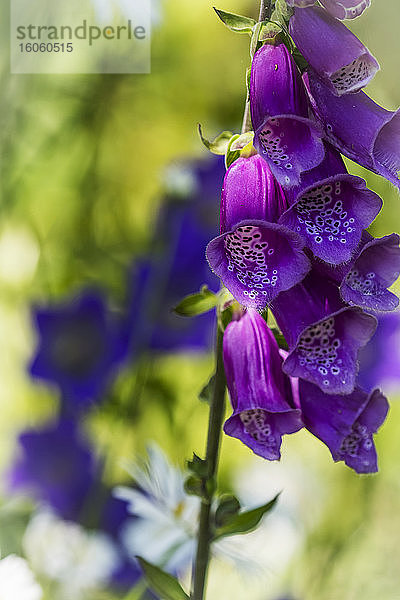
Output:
(293, 239)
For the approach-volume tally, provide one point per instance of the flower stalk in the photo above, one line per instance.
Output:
(216, 416)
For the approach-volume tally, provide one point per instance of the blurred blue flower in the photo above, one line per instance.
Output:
(59, 469)
(80, 345)
(380, 359)
(178, 267)
(56, 466)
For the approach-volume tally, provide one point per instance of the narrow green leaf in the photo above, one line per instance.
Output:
(269, 31)
(207, 391)
(282, 343)
(197, 465)
(231, 154)
(236, 23)
(228, 507)
(162, 583)
(246, 521)
(219, 144)
(197, 304)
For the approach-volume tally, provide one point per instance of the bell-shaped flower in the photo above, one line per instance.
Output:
(375, 269)
(285, 135)
(344, 63)
(365, 281)
(56, 466)
(359, 128)
(323, 334)
(346, 9)
(81, 345)
(255, 258)
(260, 393)
(346, 424)
(330, 209)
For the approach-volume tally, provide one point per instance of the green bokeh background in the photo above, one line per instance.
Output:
(81, 164)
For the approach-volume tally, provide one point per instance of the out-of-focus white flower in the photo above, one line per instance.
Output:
(165, 531)
(64, 552)
(180, 180)
(17, 581)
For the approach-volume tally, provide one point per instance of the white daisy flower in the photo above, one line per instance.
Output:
(165, 531)
(66, 553)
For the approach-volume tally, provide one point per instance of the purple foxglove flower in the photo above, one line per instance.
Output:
(346, 9)
(380, 359)
(255, 259)
(330, 209)
(364, 281)
(56, 465)
(260, 392)
(80, 347)
(375, 269)
(323, 335)
(344, 63)
(359, 128)
(285, 136)
(346, 424)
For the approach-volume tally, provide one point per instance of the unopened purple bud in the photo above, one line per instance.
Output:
(341, 60)
(323, 335)
(285, 135)
(346, 424)
(260, 393)
(359, 128)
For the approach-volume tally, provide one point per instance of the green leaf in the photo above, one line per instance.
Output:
(219, 144)
(231, 154)
(236, 23)
(282, 12)
(194, 486)
(282, 343)
(227, 508)
(198, 465)
(163, 584)
(269, 31)
(246, 521)
(197, 304)
(207, 391)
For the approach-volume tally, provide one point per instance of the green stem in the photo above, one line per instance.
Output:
(216, 416)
